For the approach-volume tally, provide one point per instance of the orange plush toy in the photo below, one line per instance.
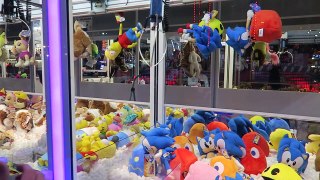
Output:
(185, 159)
(216, 124)
(266, 26)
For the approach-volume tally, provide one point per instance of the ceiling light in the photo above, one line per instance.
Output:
(316, 35)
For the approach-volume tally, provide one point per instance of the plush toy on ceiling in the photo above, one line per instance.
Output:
(81, 41)
(238, 39)
(125, 40)
(293, 153)
(3, 51)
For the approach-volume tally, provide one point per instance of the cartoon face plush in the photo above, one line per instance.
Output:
(92, 114)
(314, 145)
(253, 139)
(156, 139)
(230, 142)
(10, 99)
(254, 161)
(226, 167)
(206, 145)
(202, 170)
(182, 142)
(185, 159)
(23, 120)
(238, 38)
(5, 118)
(293, 153)
(280, 171)
(276, 136)
(6, 140)
(20, 48)
(21, 100)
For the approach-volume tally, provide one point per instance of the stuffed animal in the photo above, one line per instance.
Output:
(157, 144)
(3, 42)
(280, 171)
(238, 39)
(276, 136)
(10, 99)
(137, 161)
(202, 170)
(206, 146)
(253, 139)
(293, 153)
(314, 145)
(194, 60)
(226, 167)
(205, 38)
(184, 158)
(127, 40)
(276, 123)
(82, 103)
(5, 120)
(3, 94)
(197, 130)
(23, 120)
(217, 125)
(182, 142)
(175, 126)
(204, 117)
(254, 161)
(230, 143)
(81, 41)
(20, 49)
(21, 100)
(6, 140)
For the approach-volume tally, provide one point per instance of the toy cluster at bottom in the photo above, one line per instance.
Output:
(202, 146)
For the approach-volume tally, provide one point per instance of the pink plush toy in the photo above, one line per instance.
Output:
(114, 127)
(202, 171)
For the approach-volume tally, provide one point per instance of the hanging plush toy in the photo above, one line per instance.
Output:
(125, 40)
(293, 153)
(81, 41)
(238, 39)
(3, 42)
(190, 61)
(20, 49)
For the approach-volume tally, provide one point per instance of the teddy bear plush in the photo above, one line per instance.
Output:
(23, 120)
(194, 60)
(5, 119)
(9, 99)
(81, 41)
(82, 103)
(21, 100)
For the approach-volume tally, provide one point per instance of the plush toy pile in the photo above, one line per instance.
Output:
(203, 146)
(22, 126)
(103, 127)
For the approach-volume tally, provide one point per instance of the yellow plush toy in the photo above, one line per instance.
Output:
(178, 113)
(276, 136)
(280, 171)
(255, 119)
(169, 111)
(314, 145)
(81, 124)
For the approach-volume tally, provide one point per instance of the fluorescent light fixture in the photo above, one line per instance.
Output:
(56, 97)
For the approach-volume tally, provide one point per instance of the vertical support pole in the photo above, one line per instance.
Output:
(231, 69)
(4, 69)
(157, 73)
(215, 68)
(226, 65)
(59, 89)
(32, 68)
(137, 61)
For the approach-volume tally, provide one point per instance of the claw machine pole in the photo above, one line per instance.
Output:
(59, 89)
(157, 65)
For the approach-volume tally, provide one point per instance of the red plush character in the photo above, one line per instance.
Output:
(255, 161)
(266, 26)
(216, 124)
(254, 139)
(185, 159)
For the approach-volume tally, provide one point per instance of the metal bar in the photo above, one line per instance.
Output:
(59, 99)
(264, 114)
(32, 3)
(32, 68)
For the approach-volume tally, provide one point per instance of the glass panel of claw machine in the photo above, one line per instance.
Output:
(205, 143)
(22, 114)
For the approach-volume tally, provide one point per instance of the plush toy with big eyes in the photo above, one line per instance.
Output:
(293, 153)
(226, 167)
(182, 142)
(202, 170)
(206, 145)
(238, 39)
(184, 158)
(20, 48)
